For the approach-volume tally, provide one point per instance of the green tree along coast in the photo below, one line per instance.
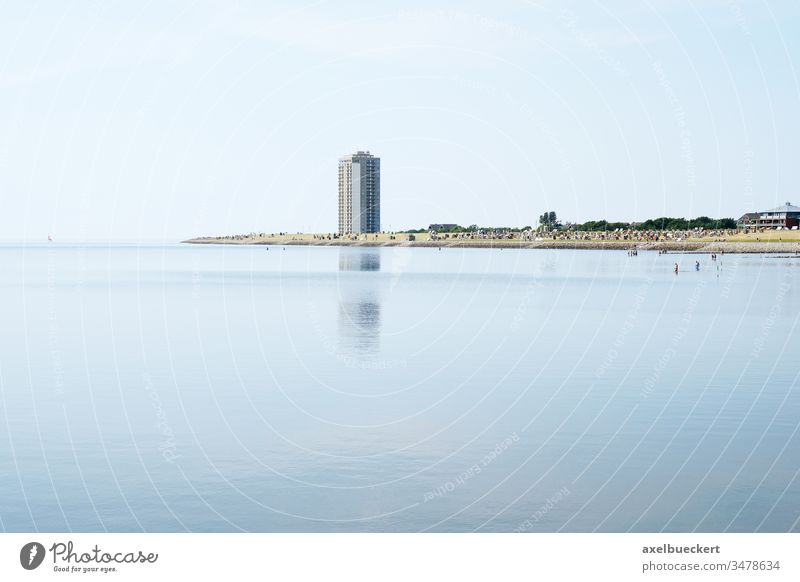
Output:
(549, 221)
(663, 223)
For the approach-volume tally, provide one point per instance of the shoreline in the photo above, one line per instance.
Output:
(693, 247)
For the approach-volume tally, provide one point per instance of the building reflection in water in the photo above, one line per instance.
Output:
(359, 260)
(359, 302)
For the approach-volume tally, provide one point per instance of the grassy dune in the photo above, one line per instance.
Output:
(783, 242)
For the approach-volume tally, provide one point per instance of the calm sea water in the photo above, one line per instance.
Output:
(171, 388)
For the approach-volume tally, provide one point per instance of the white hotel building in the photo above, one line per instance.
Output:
(359, 193)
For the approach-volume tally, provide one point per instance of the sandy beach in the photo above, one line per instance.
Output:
(738, 244)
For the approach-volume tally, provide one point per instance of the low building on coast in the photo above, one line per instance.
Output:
(784, 216)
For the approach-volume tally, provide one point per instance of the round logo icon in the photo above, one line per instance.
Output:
(31, 555)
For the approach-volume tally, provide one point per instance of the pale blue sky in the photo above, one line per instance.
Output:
(165, 120)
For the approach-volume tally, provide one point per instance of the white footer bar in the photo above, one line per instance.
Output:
(389, 557)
